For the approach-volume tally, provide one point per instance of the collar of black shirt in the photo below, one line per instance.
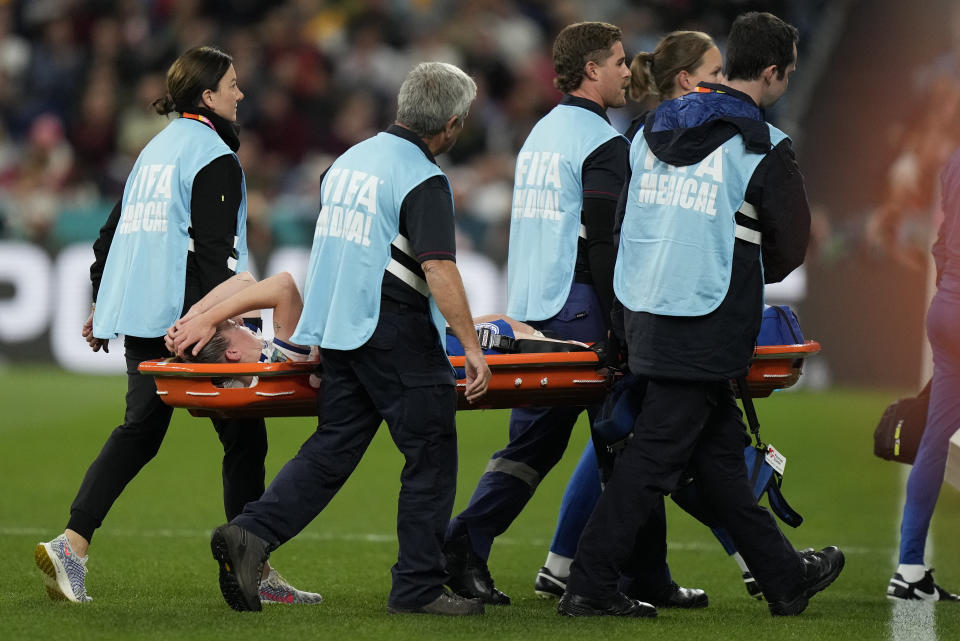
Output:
(585, 103)
(228, 130)
(406, 134)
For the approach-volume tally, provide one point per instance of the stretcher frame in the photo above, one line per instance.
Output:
(518, 380)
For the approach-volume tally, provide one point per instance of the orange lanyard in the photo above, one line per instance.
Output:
(200, 118)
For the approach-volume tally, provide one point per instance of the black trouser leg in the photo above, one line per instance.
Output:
(244, 451)
(305, 485)
(722, 479)
(129, 447)
(646, 573)
(672, 415)
(682, 422)
(402, 375)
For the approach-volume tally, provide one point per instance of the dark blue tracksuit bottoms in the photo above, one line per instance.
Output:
(402, 376)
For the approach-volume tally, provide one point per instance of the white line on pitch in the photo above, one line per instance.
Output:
(357, 537)
(911, 620)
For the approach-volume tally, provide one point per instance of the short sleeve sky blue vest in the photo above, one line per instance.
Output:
(142, 290)
(545, 215)
(676, 242)
(360, 197)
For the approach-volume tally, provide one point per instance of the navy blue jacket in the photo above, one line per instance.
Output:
(719, 345)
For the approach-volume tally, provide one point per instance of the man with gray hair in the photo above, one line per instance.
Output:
(380, 282)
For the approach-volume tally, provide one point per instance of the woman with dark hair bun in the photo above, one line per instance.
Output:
(681, 61)
(178, 231)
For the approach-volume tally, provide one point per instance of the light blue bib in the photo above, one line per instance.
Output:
(545, 216)
(676, 242)
(361, 195)
(142, 289)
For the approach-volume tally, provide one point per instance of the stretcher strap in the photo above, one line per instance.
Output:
(750, 411)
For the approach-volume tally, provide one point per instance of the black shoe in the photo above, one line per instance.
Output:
(447, 604)
(241, 555)
(469, 575)
(673, 596)
(548, 585)
(750, 582)
(820, 570)
(574, 605)
(923, 590)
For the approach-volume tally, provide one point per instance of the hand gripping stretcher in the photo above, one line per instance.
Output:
(518, 380)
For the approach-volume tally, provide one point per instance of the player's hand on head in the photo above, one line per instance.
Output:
(191, 335)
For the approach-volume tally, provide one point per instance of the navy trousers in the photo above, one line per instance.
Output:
(402, 376)
(538, 438)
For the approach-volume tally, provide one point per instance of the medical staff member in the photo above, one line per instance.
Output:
(715, 206)
(380, 282)
(179, 230)
(568, 177)
(680, 61)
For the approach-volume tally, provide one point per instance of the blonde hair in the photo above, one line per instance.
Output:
(655, 73)
(215, 350)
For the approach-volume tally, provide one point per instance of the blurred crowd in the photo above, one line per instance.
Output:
(907, 216)
(77, 79)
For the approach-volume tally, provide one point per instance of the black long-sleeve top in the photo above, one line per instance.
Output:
(602, 175)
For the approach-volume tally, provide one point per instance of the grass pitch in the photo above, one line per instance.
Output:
(152, 576)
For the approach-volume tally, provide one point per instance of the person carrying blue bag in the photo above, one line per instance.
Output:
(615, 424)
(714, 208)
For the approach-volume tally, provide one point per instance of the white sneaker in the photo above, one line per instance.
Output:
(275, 589)
(923, 590)
(64, 572)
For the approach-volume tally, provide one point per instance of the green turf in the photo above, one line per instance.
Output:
(152, 577)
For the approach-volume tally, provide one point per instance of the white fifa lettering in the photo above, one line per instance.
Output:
(712, 166)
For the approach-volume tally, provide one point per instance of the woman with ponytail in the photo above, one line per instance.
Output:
(178, 231)
(681, 60)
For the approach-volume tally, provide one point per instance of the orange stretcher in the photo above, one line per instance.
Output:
(518, 380)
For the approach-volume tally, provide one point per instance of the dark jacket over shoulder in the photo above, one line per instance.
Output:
(720, 344)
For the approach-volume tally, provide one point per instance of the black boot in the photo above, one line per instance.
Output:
(469, 576)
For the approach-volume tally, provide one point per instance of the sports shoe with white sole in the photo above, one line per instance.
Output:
(548, 585)
(64, 572)
(923, 590)
(276, 589)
